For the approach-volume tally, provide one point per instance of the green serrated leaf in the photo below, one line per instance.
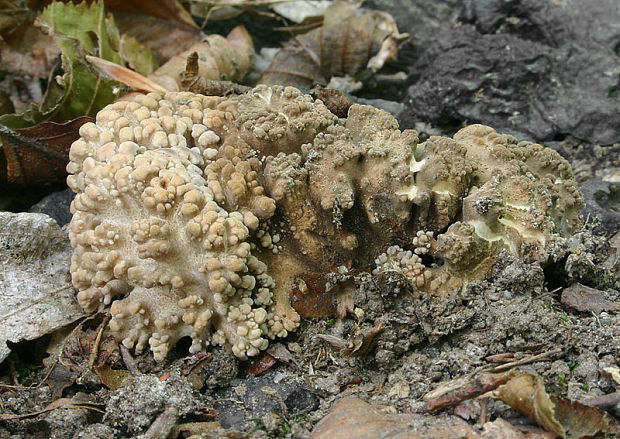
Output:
(79, 30)
(80, 22)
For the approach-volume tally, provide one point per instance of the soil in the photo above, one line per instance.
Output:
(419, 342)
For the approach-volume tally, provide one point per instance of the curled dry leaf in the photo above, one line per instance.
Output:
(344, 45)
(127, 76)
(192, 81)
(198, 69)
(219, 58)
(40, 153)
(569, 419)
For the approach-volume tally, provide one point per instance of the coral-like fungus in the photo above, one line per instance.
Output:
(195, 216)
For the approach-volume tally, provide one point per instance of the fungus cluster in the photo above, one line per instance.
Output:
(195, 215)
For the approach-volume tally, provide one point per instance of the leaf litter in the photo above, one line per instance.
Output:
(95, 359)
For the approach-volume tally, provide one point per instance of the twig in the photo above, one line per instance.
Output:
(605, 402)
(500, 358)
(59, 403)
(163, 425)
(95, 351)
(534, 358)
(129, 361)
(482, 384)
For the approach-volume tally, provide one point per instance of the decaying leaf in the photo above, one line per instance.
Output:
(166, 9)
(197, 69)
(59, 379)
(586, 299)
(112, 378)
(133, 53)
(349, 41)
(352, 418)
(87, 356)
(261, 363)
(34, 56)
(219, 58)
(569, 419)
(80, 91)
(78, 30)
(39, 153)
(310, 298)
(36, 295)
(15, 19)
(164, 38)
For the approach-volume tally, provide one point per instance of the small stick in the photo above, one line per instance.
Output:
(500, 358)
(95, 351)
(163, 425)
(129, 361)
(534, 358)
(605, 402)
(485, 382)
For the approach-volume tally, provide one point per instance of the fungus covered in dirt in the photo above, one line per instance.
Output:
(197, 216)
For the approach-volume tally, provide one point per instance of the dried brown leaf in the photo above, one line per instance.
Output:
(112, 378)
(587, 299)
(39, 153)
(60, 378)
(261, 363)
(165, 38)
(569, 419)
(310, 299)
(219, 58)
(166, 9)
(341, 47)
(352, 418)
